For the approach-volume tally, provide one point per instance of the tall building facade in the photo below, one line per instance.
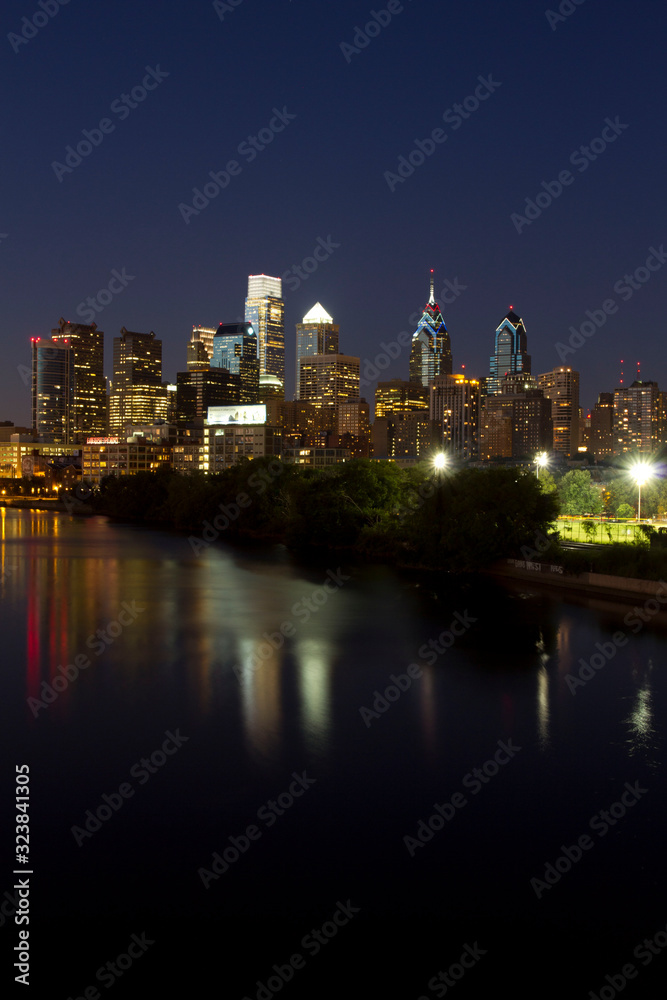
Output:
(431, 350)
(454, 411)
(52, 389)
(265, 311)
(197, 390)
(329, 379)
(399, 396)
(516, 423)
(137, 393)
(561, 386)
(204, 335)
(89, 406)
(639, 419)
(601, 434)
(316, 334)
(235, 348)
(510, 356)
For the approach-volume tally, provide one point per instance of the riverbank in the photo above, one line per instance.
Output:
(591, 584)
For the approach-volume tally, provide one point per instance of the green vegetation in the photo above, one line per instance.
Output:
(416, 517)
(578, 494)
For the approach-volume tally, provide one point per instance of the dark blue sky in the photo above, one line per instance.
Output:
(322, 176)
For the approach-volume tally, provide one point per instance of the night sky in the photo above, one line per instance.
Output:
(222, 76)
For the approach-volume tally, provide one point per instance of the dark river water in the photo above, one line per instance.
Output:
(250, 778)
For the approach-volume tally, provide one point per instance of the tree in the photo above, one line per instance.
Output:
(625, 510)
(578, 494)
(547, 482)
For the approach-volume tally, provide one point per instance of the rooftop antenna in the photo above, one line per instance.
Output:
(431, 300)
(621, 371)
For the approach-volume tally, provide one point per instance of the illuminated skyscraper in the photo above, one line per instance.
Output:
(137, 393)
(316, 334)
(511, 355)
(89, 407)
(639, 420)
(561, 386)
(329, 379)
(398, 396)
(235, 348)
(265, 311)
(454, 410)
(52, 389)
(431, 351)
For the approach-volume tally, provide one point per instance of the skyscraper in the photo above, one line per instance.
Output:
(89, 406)
(399, 396)
(265, 311)
(235, 348)
(510, 355)
(431, 351)
(329, 379)
(137, 393)
(639, 422)
(316, 334)
(52, 389)
(561, 386)
(454, 410)
(197, 390)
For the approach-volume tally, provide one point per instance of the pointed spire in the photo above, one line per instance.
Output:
(431, 300)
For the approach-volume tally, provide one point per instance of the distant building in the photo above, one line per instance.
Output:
(354, 427)
(52, 389)
(516, 423)
(639, 418)
(431, 351)
(137, 393)
(329, 379)
(454, 411)
(89, 414)
(601, 433)
(510, 356)
(203, 335)
(561, 386)
(399, 396)
(316, 334)
(302, 425)
(235, 348)
(405, 437)
(197, 390)
(265, 311)
(116, 457)
(315, 457)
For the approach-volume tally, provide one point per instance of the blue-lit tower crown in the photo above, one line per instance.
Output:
(511, 357)
(431, 352)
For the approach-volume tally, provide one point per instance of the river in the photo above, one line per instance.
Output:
(325, 780)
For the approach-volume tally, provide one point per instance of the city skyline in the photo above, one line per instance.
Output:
(102, 239)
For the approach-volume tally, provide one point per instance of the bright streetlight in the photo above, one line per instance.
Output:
(641, 473)
(541, 459)
(440, 461)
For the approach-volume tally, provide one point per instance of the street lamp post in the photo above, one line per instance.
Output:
(641, 473)
(540, 460)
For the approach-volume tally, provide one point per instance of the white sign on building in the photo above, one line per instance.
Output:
(248, 414)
